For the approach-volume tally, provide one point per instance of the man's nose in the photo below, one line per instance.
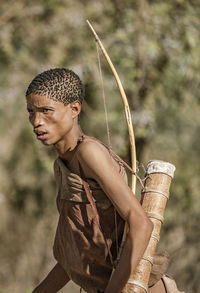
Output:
(37, 119)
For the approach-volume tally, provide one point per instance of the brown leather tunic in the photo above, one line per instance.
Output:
(79, 245)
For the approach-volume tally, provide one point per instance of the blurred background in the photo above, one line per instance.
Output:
(155, 46)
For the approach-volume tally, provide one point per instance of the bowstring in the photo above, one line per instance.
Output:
(108, 134)
(103, 96)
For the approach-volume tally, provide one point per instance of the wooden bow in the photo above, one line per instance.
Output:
(125, 105)
(128, 120)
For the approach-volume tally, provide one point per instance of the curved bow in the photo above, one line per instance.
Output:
(129, 125)
(126, 108)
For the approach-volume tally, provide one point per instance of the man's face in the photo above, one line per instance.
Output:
(51, 120)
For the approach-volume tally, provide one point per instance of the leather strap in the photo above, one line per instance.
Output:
(93, 205)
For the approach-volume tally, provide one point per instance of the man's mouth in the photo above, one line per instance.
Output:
(41, 134)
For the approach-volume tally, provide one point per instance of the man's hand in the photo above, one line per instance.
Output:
(160, 264)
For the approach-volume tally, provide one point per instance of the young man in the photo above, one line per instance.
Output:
(85, 248)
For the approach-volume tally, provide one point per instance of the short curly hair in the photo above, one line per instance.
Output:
(59, 84)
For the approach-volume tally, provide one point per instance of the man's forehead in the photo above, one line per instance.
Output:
(39, 101)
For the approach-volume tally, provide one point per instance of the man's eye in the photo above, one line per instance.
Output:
(45, 110)
(30, 111)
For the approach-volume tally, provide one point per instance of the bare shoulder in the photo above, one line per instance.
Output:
(91, 148)
(94, 158)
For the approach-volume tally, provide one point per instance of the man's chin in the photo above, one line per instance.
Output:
(49, 142)
(46, 142)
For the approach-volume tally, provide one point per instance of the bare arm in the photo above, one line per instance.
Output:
(97, 164)
(55, 280)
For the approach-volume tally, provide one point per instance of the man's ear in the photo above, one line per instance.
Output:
(76, 108)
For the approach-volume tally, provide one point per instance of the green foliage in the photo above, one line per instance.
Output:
(155, 47)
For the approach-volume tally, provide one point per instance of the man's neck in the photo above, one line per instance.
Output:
(66, 146)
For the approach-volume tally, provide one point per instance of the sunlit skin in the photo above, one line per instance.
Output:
(56, 124)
